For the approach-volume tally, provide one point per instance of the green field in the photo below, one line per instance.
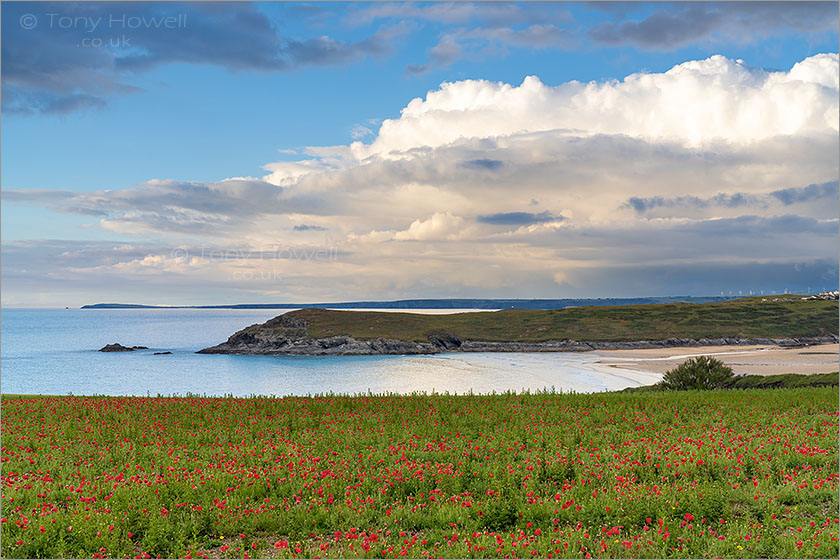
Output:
(733, 474)
(744, 318)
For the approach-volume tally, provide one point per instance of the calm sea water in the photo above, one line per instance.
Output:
(46, 351)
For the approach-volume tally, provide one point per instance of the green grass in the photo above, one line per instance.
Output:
(780, 381)
(745, 318)
(732, 474)
(788, 380)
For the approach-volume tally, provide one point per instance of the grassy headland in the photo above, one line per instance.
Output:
(779, 317)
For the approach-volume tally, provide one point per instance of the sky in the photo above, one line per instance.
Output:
(190, 154)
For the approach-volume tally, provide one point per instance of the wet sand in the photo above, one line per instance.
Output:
(747, 360)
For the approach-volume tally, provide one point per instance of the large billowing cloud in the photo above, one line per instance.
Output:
(688, 181)
(693, 103)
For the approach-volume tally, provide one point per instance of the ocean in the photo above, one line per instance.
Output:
(54, 352)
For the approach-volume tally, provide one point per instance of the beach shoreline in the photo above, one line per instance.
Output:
(744, 360)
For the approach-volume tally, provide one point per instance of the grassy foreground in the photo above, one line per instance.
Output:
(675, 474)
(789, 316)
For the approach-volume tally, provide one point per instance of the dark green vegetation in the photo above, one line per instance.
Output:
(780, 381)
(700, 373)
(743, 318)
(788, 380)
(677, 474)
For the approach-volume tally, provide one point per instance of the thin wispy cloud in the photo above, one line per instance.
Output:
(824, 193)
(518, 218)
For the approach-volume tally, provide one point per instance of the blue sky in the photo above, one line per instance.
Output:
(242, 86)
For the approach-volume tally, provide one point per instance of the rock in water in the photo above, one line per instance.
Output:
(117, 347)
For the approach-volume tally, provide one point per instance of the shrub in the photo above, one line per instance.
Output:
(702, 372)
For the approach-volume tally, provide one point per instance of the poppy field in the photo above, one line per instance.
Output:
(727, 474)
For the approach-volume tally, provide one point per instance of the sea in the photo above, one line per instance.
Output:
(55, 352)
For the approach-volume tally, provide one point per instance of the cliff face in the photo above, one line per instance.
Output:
(288, 335)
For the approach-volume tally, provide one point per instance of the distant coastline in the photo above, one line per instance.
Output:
(444, 303)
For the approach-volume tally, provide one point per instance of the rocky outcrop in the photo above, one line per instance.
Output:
(289, 335)
(250, 343)
(445, 341)
(117, 347)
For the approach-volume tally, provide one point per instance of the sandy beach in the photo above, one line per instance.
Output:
(747, 360)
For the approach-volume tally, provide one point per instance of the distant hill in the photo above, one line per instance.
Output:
(433, 303)
(786, 321)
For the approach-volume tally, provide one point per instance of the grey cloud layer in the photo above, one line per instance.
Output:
(489, 14)
(551, 167)
(686, 22)
(518, 218)
(168, 206)
(786, 197)
(83, 272)
(482, 42)
(45, 71)
(492, 27)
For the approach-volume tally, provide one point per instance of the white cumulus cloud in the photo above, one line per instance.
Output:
(441, 225)
(716, 99)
